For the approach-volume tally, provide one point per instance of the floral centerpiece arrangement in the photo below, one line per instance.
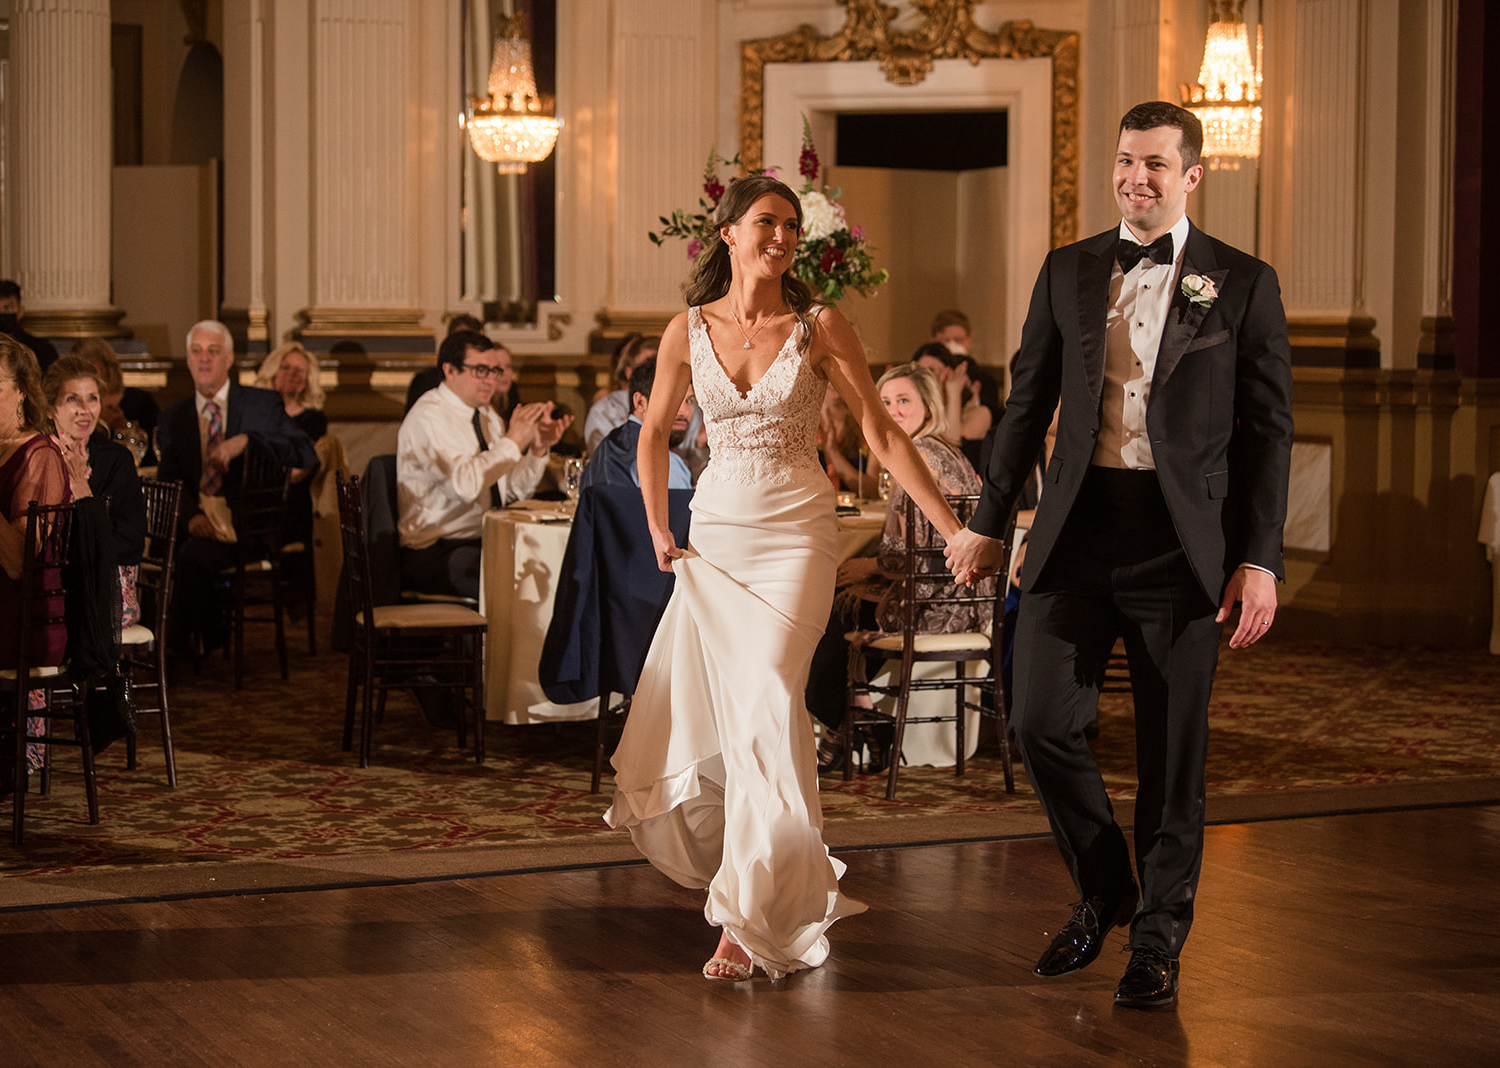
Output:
(832, 255)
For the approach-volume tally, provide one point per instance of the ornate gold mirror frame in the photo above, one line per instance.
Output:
(948, 31)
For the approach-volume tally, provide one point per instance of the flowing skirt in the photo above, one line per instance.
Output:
(716, 773)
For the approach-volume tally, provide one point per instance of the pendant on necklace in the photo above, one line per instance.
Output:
(746, 345)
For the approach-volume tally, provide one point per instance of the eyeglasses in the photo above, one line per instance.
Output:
(484, 370)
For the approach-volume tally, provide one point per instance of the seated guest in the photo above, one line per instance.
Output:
(72, 388)
(31, 469)
(842, 450)
(121, 406)
(506, 398)
(202, 440)
(971, 398)
(292, 372)
(456, 458)
(869, 595)
(12, 311)
(613, 461)
(610, 408)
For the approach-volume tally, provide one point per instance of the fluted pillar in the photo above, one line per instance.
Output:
(1318, 181)
(363, 271)
(663, 53)
(60, 165)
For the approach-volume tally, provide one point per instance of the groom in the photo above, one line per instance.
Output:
(1162, 507)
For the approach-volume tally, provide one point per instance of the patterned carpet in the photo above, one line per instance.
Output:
(268, 800)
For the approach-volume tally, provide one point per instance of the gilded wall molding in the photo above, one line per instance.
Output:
(948, 31)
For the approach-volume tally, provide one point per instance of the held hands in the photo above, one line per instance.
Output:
(972, 556)
(1256, 591)
(666, 549)
(227, 451)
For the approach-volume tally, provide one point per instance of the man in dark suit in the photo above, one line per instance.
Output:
(1162, 507)
(202, 441)
(613, 460)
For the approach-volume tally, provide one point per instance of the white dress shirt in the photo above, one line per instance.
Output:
(443, 479)
(1139, 300)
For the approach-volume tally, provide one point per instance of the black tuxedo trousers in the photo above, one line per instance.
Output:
(1120, 572)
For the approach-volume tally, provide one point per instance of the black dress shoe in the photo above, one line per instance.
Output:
(1078, 944)
(1150, 980)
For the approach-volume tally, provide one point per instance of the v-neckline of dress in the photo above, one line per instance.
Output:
(724, 371)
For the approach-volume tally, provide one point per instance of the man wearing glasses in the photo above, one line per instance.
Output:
(456, 458)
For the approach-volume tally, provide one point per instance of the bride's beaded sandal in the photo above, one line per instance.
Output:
(732, 970)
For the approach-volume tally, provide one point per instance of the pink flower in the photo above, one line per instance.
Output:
(857, 232)
(770, 172)
(693, 248)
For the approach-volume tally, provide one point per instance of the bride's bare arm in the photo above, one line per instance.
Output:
(673, 376)
(840, 356)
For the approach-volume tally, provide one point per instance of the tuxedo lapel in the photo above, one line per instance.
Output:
(1184, 318)
(1096, 260)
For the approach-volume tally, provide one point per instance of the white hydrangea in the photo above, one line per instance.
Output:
(821, 217)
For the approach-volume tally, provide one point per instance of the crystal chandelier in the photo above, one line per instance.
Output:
(1226, 98)
(514, 126)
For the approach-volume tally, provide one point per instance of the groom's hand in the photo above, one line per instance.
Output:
(972, 556)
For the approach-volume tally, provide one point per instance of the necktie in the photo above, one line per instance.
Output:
(1129, 253)
(213, 478)
(495, 501)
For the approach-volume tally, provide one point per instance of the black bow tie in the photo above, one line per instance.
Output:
(1129, 253)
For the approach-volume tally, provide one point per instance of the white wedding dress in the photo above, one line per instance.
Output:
(716, 773)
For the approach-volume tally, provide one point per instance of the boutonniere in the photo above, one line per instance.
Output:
(1199, 290)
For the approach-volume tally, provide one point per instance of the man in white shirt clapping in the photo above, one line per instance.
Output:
(456, 458)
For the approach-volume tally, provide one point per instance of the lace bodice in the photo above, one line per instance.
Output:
(768, 434)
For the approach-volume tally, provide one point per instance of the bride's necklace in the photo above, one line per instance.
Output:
(749, 338)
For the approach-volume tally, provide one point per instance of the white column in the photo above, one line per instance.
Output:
(664, 124)
(61, 160)
(245, 165)
(364, 274)
(1437, 252)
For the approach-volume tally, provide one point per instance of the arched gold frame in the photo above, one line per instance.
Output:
(948, 31)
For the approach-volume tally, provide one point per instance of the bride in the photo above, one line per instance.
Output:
(715, 775)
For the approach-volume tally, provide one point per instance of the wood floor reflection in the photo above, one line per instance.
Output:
(1336, 940)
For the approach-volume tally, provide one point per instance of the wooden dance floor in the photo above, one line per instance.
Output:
(1356, 939)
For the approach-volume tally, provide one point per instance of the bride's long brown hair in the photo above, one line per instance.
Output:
(711, 274)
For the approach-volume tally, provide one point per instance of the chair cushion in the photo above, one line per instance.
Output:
(257, 565)
(936, 643)
(424, 615)
(438, 598)
(52, 671)
(135, 634)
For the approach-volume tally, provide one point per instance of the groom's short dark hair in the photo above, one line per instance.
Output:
(1154, 113)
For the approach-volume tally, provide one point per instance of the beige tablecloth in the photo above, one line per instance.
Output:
(523, 554)
(1489, 537)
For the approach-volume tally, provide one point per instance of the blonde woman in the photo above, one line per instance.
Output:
(292, 373)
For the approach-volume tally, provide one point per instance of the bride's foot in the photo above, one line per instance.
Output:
(729, 964)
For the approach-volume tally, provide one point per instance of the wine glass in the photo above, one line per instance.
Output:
(572, 474)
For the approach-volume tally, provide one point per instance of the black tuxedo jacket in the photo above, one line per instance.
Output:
(1219, 418)
(259, 413)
